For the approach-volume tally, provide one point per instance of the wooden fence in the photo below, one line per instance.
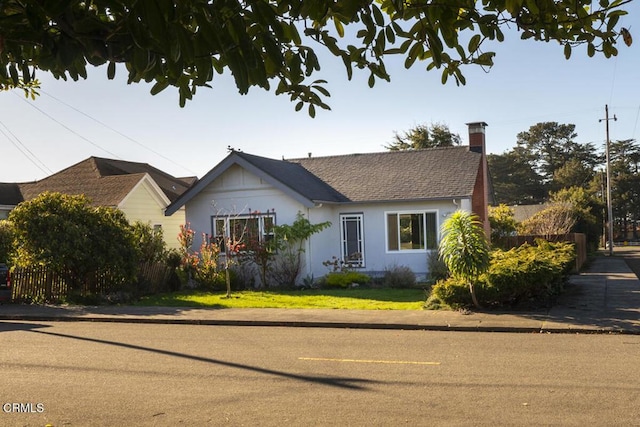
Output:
(578, 239)
(40, 284)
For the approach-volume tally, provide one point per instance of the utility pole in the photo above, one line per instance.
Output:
(609, 207)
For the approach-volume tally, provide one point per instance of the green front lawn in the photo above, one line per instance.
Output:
(348, 299)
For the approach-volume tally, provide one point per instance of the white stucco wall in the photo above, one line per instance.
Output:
(237, 191)
(377, 257)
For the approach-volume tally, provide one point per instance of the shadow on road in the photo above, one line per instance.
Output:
(14, 326)
(348, 383)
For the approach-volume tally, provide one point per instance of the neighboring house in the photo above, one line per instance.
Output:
(524, 212)
(385, 208)
(141, 191)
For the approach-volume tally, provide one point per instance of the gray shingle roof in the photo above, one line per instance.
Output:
(297, 178)
(398, 175)
(439, 173)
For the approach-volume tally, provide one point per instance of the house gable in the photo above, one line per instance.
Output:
(289, 178)
(146, 184)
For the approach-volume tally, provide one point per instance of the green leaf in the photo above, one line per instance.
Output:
(377, 15)
(486, 59)
(567, 50)
(347, 64)
(312, 111)
(391, 36)
(159, 87)
(474, 43)
(111, 70)
(299, 106)
(338, 25)
(322, 90)
(513, 6)
(13, 71)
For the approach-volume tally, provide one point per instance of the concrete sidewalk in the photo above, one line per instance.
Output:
(603, 299)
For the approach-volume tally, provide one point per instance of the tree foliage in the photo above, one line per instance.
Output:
(625, 177)
(515, 182)
(67, 234)
(424, 136)
(503, 223)
(464, 248)
(6, 241)
(588, 211)
(150, 242)
(289, 240)
(546, 159)
(184, 43)
(549, 146)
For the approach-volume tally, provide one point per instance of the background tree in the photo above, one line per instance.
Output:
(545, 159)
(464, 248)
(268, 43)
(68, 235)
(588, 212)
(503, 224)
(150, 242)
(549, 146)
(625, 194)
(574, 173)
(424, 136)
(515, 182)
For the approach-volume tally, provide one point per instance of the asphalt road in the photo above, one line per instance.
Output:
(103, 374)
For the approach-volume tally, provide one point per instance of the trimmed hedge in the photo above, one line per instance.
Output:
(344, 279)
(526, 276)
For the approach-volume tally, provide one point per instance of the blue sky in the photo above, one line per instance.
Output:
(530, 83)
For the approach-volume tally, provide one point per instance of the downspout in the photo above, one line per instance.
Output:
(308, 257)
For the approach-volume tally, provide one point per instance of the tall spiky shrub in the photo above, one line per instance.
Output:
(464, 248)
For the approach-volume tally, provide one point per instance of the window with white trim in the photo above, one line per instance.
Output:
(411, 231)
(240, 229)
(352, 239)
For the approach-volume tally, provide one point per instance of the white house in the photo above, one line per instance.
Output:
(385, 208)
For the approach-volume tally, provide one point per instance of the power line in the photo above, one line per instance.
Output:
(119, 133)
(20, 146)
(32, 105)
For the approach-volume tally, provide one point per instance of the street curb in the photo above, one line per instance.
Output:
(319, 324)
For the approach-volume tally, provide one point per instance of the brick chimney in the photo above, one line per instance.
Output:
(476, 137)
(480, 198)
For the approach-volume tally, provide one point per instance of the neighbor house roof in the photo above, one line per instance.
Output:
(105, 181)
(10, 194)
(429, 174)
(523, 212)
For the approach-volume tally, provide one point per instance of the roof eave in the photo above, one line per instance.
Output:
(235, 159)
(387, 201)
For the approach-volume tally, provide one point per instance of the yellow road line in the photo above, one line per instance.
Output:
(388, 362)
